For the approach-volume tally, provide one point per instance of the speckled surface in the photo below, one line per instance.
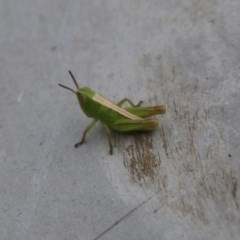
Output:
(179, 182)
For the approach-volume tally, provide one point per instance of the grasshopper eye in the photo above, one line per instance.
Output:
(81, 98)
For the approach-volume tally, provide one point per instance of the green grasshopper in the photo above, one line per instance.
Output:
(113, 116)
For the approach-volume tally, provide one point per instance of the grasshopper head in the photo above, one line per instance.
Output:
(81, 98)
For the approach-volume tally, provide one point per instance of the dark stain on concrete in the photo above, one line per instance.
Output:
(140, 160)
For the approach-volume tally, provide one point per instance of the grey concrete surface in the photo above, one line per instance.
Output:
(179, 182)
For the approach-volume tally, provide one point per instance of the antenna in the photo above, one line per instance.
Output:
(67, 88)
(73, 78)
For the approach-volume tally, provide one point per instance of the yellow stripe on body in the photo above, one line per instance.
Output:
(108, 104)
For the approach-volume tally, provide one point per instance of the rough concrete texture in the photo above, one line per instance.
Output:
(179, 182)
